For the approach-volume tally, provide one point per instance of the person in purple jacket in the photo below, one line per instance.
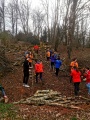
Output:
(52, 61)
(58, 64)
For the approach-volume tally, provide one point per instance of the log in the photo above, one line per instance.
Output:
(87, 99)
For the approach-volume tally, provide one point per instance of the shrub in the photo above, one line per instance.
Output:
(27, 38)
(5, 38)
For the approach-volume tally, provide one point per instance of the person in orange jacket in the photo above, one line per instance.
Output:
(48, 55)
(76, 79)
(74, 63)
(38, 70)
(30, 59)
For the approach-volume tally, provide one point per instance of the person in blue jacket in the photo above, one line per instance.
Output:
(58, 64)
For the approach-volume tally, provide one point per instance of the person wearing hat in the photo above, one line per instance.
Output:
(26, 72)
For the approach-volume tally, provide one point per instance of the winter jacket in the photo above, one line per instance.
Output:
(52, 58)
(51, 52)
(73, 63)
(76, 76)
(26, 66)
(56, 55)
(87, 75)
(36, 47)
(38, 67)
(58, 63)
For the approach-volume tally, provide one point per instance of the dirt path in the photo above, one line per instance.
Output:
(13, 85)
(15, 90)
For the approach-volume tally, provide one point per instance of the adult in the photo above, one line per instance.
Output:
(26, 54)
(26, 72)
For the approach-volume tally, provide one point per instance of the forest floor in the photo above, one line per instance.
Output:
(13, 84)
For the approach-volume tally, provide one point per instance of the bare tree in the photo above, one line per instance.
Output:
(24, 13)
(0, 20)
(45, 4)
(67, 5)
(16, 8)
(38, 19)
(2, 14)
(56, 24)
(12, 15)
(78, 9)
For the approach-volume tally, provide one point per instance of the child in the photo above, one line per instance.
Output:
(87, 75)
(52, 60)
(30, 59)
(48, 55)
(38, 70)
(74, 63)
(56, 55)
(76, 78)
(58, 63)
(4, 94)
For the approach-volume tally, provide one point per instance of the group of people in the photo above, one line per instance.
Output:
(38, 66)
(76, 76)
(53, 57)
(55, 61)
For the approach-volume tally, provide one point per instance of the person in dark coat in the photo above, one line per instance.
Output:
(26, 72)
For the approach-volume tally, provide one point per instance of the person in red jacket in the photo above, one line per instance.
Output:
(38, 70)
(76, 79)
(36, 48)
(87, 76)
